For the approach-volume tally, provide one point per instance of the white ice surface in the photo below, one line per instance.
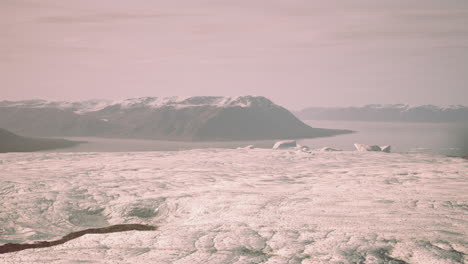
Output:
(237, 206)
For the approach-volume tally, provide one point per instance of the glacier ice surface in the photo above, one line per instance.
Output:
(231, 206)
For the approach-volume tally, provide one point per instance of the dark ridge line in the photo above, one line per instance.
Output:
(12, 247)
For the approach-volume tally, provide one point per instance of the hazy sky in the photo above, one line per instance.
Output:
(297, 52)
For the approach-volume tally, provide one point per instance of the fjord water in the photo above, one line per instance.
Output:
(434, 138)
(95, 144)
(431, 138)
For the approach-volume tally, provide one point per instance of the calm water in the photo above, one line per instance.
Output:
(440, 138)
(116, 145)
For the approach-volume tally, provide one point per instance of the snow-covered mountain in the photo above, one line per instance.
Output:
(201, 118)
(392, 112)
(10, 142)
(82, 107)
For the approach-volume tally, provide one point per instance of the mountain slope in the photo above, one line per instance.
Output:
(394, 113)
(10, 142)
(201, 118)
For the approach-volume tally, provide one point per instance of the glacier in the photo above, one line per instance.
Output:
(236, 206)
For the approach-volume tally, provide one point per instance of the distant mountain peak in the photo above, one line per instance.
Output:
(86, 106)
(193, 101)
(388, 112)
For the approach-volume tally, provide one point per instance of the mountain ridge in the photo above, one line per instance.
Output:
(94, 105)
(387, 112)
(200, 118)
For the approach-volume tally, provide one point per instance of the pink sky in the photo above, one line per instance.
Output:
(296, 52)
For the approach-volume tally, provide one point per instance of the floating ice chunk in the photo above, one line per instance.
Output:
(329, 149)
(364, 147)
(304, 148)
(285, 144)
(247, 147)
(385, 148)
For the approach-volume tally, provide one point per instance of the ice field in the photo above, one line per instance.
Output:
(237, 206)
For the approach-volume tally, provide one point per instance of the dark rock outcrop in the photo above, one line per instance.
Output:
(12, 247)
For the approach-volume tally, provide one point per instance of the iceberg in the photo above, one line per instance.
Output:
(285, 144)
(385, 148)
(364, 147)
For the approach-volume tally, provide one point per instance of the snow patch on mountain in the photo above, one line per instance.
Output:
(82, 107)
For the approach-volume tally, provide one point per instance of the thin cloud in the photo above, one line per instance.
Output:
(109, 17)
